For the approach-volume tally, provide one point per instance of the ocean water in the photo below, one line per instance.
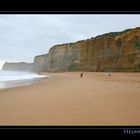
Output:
(15, 78)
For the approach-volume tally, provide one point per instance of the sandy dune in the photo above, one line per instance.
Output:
(67, 99)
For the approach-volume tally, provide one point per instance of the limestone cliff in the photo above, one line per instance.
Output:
(117, 51)
(40, 63)
(21, 66)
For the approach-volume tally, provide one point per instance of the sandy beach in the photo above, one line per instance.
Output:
(67, 99)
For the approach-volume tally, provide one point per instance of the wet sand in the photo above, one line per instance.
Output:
(67, 99)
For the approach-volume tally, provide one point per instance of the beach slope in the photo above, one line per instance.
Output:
(67, 99)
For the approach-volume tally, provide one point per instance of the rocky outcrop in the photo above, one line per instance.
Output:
(40, 63)
(21, 66)
(117, 51)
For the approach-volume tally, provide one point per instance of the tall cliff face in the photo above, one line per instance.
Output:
(118, 51)
(40, 63)
(21, 66)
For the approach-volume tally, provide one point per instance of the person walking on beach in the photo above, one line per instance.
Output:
(81, 75)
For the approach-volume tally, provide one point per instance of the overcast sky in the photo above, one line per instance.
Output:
(24, 36)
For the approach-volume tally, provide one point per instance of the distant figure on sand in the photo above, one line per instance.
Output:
(109, 74)
(81, 75)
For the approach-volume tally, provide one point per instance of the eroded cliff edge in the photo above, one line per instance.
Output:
(117, 51)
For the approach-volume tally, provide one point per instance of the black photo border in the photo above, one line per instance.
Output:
(12, 8)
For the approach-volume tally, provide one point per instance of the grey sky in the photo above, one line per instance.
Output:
(24, 36)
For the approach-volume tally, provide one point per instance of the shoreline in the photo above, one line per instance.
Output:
(21, 82)
(67, 99)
